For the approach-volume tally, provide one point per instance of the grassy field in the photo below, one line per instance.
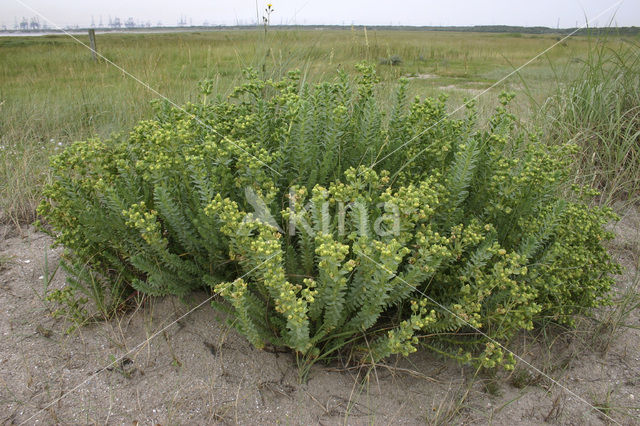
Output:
(51, 92)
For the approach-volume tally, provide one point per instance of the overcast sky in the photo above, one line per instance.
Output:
(550, 13)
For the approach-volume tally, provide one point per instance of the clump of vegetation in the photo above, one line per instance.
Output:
(326, 222)
(600, 112)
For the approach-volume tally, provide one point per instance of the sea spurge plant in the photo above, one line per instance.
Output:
(350, 288)
(328, 223)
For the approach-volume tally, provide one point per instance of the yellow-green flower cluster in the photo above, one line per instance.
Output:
(237, 293)
(260, 248)
(146, 222)
(403, 340)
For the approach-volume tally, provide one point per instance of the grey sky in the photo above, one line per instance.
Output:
(550, 13)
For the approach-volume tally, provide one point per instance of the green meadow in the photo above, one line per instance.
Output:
(52, 92)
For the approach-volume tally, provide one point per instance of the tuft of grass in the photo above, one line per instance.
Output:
(604, 403)
(450, 407)
(611, 324)
(23, 171)
(600, 111)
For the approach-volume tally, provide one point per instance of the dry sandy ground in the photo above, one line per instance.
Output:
(198, 371)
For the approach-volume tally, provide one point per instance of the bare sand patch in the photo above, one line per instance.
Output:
(199, 371)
